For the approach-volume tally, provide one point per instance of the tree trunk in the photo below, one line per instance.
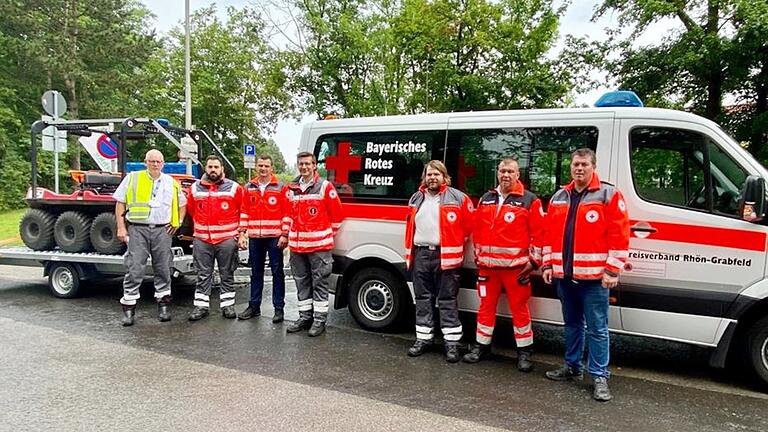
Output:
(758, 138)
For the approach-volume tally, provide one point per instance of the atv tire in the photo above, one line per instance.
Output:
(36, 229)
(104, 235)
(72, 231)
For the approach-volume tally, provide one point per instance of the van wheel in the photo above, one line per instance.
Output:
(379, 300)
(36, 229)
(63, 280)
(72, 232)
(757, 350)
(104, 235)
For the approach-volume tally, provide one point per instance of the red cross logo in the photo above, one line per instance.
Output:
(343, 162)
(465, 172)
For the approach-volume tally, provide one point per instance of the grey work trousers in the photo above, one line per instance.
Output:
(430, 282)
(146, 241)
(311, 272)
(225, 254)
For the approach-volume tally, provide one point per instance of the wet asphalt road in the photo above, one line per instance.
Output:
(69, 365)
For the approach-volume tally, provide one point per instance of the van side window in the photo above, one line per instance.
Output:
(382, 167)
(684, 169)
(542, 153)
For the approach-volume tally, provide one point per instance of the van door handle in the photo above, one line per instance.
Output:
(643, 227)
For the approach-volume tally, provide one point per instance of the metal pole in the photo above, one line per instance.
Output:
(55, 147)
(187, 72)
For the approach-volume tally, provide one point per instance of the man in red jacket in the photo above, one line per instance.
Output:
(264, 223)
(439, 221)
(315, 217)
(586, 247)
(214, 203)
(507, 240)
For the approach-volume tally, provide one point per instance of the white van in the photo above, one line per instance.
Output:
(696, 271)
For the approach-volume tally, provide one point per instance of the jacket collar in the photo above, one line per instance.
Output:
(297, 181)
(594, 184)
(273, 180)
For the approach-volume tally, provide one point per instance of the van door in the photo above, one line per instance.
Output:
(542, 144)
(690, 252)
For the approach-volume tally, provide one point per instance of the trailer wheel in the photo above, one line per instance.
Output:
(757, 350)
(104, 235)
(63, 280)
(36, 229)
(379, 301)
(72, 231)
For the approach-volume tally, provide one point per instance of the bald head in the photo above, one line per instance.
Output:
(154, 160)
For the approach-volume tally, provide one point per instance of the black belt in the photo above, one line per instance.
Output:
(429, 247)
(147, 225)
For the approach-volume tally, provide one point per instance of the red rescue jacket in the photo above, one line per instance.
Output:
(315, 215)
(509, 236)
(265, 214)
(215, 209)
(601, 231)
(455, 223)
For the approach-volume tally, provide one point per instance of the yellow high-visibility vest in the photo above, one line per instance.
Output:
(139, 194)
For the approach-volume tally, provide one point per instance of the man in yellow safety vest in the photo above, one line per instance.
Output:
(150, 208)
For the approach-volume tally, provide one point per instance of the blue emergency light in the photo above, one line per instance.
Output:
(619, 98)
(164, 122)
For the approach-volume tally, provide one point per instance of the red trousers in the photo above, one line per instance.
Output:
(489, 284)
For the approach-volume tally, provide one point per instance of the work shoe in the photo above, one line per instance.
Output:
(128, 315)
(198, 313)
(278, 317)
(477, 352)
(419, 347)
(452, 354)
(163, 312)
(299, 325)
(601, 392)
(249, 312)
(564, 373)
(524, 363)
(317, 329)
(228, 312)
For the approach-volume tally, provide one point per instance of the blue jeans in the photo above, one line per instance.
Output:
(585, 302)
(258, 248)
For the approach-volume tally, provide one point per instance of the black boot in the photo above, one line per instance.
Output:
(228, 312)
(249, 312)
(477, 352)
(163, 312)
(524, 363)
(452, 353)
(278, 317)
(299, 325)
(198, 313)
(419, 347)
(128, 315)
(317, 329)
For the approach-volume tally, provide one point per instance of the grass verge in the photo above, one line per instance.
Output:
(9, 227)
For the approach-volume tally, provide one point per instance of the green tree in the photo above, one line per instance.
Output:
(719, 49)
(236, 99)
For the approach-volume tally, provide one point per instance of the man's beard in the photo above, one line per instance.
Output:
(214, 177)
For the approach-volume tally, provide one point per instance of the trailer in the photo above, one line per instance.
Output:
(66, 270)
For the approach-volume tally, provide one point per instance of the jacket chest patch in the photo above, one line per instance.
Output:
(451, 216)
(272, 200)
(592, 216)
(622, 206)
(509, 217)
(312, 211)
(224, 205)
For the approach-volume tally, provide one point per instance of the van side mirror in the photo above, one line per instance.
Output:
(752, 203)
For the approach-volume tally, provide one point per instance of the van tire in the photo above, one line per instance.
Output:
(36, 229)
(104, 235)
(72, 232)
(379, 300)
(757, 350)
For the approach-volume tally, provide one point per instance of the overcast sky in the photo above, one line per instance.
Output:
(169, 13)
